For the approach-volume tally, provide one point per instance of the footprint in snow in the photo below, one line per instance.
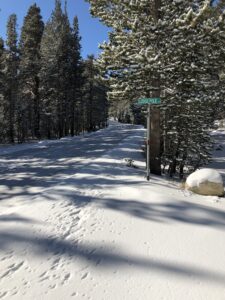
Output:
(3, 294)
(66, 278)
(84, 276)
(12, 269)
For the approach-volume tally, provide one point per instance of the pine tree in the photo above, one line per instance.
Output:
(11, 69)
(54, 73)
(2, 89)
(29, 47)
(194, 87)
(95, 100)
(89, 92)
(173, 47)
(48, 70)
(76, 79)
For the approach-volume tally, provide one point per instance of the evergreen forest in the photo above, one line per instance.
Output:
(156, 48)
(47, 90)
(172, 50)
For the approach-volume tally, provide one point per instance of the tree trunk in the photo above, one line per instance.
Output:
(155, 141)
(11, 117)
(37, 109)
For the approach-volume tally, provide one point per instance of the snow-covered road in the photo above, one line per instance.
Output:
(77, 223)
(47, 163)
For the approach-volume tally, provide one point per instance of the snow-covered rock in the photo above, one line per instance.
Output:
(207, 182)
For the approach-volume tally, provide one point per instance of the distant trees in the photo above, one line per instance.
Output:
(10, 83)
(55, 73)
(28, 78)
(175, 50)
(76, 80)
(2, 88)
(95, 105)
(44, 81)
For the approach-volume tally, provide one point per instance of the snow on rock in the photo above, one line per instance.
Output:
(207, 182)
(202, 175)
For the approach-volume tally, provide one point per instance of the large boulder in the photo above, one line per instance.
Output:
(207, 182)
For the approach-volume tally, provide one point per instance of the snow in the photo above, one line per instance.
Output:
(8, 149)
(203, 175)
(80, 224)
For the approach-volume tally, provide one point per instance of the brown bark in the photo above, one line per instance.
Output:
(155, 141)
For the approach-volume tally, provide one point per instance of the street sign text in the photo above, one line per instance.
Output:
(149, 101)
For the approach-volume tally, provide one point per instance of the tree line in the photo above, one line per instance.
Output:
(46, 89)
(173, 50)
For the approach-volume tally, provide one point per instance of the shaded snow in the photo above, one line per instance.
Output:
(80, 224)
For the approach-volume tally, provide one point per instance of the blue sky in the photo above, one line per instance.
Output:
(91, 30)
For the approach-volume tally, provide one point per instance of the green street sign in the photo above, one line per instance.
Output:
(149, 101)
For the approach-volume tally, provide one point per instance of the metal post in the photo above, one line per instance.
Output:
(148, 140)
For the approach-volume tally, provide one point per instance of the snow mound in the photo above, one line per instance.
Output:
(205, 182)
(200, 176)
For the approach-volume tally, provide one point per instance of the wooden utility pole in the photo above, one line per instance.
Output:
(155, 140)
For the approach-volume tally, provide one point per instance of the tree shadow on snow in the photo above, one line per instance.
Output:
(15, 218)
(106, 258)
(27, 173)
(174, 211)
